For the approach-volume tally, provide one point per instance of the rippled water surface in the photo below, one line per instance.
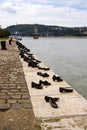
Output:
(66, 56)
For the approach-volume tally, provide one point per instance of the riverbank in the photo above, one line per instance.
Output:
(71, 113)
(23, 107)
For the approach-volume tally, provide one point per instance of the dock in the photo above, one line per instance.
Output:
(23, 107)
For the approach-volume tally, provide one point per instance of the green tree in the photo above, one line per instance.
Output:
(4, 33)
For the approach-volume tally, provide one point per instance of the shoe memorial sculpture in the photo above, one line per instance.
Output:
(35, 85)
(65, 90)
(43, 74)
(52, 101)
(44, 82)
(57, 78)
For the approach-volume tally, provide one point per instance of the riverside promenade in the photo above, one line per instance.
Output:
(16, 112)
(71, 113)
(23, 107)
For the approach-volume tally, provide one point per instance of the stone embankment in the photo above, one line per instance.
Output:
(30, 99)
(68, 113)
(16, 112)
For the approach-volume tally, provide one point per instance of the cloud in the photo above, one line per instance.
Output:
(7, 6)
(9, 9)
(58, 12)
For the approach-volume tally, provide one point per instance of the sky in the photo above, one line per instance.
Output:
(68, 13)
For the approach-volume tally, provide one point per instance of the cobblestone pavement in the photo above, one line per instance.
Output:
(16, 111)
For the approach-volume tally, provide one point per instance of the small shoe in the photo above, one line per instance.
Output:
(43, 68)
(46, 69)
(55, 98)
(45, 75)
(46, 98)
(47, 83)
(39, 73)
(44, 82)
(52, 101)
(37, 86)
(57, 78)
(65, 90)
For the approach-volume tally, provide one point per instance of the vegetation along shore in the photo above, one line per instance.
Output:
(46, 30)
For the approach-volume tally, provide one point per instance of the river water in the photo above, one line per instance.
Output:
(67, 57)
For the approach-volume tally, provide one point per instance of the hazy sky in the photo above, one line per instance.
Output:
(70, 13)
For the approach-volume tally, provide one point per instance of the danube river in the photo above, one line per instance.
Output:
(67, 57)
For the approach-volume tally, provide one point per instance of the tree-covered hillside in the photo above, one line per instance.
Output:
(45, 30)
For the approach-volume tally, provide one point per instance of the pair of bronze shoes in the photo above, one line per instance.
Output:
(44, 82)
(52, 101)
(39, 85)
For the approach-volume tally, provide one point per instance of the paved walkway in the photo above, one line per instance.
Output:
(16, 111)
